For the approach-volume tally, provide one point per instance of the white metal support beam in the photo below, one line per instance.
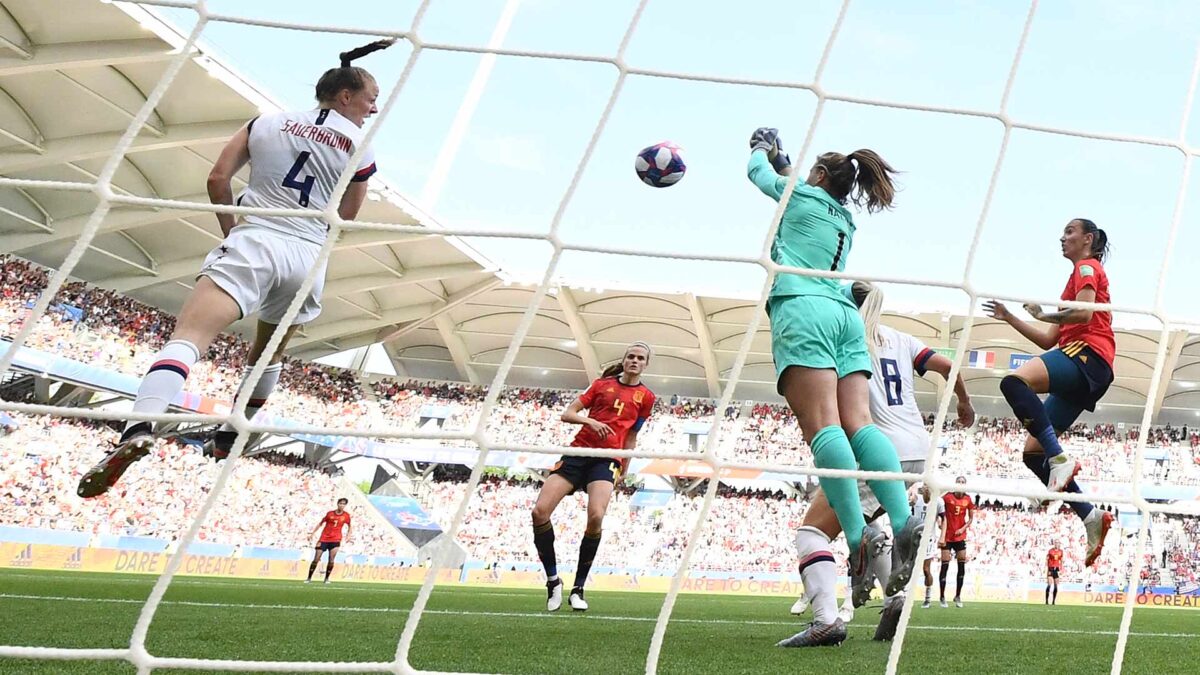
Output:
(335, 329)
(1178, 340)
(397, 331)
(74, 55)
(704, 337)
(583, 337)
(364, 238)
(93, 146)
(413, 275)
(457, 347)
(123, 218)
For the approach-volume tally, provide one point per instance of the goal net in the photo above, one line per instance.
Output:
(713, 452)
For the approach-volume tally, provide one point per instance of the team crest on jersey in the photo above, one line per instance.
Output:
(638, 396)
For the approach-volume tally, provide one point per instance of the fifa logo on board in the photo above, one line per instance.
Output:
(24, 558)
(74, 561)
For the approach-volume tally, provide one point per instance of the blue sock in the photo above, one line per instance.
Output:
(1031, 413)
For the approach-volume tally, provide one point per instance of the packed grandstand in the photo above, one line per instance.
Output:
(275, 498)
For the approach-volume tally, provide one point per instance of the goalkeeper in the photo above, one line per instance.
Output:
(822, 363)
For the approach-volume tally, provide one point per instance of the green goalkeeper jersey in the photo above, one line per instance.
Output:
(816, 233)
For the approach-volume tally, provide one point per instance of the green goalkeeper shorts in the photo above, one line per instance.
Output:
(814, 331)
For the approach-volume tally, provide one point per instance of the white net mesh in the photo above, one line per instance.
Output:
(103, 187)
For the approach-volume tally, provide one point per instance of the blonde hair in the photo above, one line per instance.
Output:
(869, 299)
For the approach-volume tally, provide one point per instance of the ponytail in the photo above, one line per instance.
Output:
(873, 183)
(869, 183)
(1100, 249)
(869, 299)
(347, 75)
(614, 370)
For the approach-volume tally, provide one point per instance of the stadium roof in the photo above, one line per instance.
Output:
(73, 73)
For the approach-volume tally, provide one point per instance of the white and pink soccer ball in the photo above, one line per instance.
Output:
(660, 165)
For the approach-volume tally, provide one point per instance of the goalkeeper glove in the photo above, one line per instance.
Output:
(779, 160)
(764, 138)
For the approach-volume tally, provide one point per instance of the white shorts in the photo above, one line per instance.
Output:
(262, 270)
(869, 503)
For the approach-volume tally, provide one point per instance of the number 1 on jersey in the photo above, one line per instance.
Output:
(305, 186)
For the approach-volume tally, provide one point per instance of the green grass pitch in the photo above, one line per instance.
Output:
(507, 630)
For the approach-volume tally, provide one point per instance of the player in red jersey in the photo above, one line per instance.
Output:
(331, 537)
(1053, 568)
(959, 506)
(617, 404)
(1076, 371)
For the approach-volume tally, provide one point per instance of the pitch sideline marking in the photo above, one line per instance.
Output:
(593, 617)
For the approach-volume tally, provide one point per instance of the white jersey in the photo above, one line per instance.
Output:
(893, 401)
(296, 159)
(920, 508)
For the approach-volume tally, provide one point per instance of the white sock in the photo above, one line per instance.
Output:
(262, 389)
(165, 379)
(818, 573)
(882, 567)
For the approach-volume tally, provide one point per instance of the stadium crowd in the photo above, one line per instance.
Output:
(42, 458)
(273, 499)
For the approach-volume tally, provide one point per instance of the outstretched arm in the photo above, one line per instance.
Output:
(1046, 338)
(762, 174)
(1065, 316)
(941, 365)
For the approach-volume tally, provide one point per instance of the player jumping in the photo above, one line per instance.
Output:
(819, 345)
(1076, 371)
(1054, 560)
(618, 404)
(959, 507)
(896, 358)
(295, 161)
(331, 537)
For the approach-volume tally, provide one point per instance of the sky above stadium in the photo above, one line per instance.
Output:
(1094, 66)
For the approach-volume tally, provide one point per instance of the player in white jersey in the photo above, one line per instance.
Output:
(296, 159)
(920, 507)
(896, 359)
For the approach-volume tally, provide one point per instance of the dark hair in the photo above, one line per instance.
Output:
(343, 500)
(348, 76)
(1099, 239)
(869, 183)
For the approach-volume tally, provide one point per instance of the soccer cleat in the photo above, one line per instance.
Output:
(219, 444)
(326, 581)
(889, 618)
(1097, 524)
(817, 635)
(554, 595)
(800, 605)
(944, 605)
(576, 600)
(861, 578)
(925, 605)
(104, 475)
(958, 602)
(308, 581)
(904, 555)
(1063, 470)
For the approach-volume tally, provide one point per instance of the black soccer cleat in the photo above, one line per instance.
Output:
(889, 618)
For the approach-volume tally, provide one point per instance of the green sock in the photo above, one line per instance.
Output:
(831, 450)
(875, 452)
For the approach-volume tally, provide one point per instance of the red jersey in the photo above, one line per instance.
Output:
(620, 406)
(956, 515)
(334, 522)
(1097, 333)
(1054, 559)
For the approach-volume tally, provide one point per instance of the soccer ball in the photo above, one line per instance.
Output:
(660, 165)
